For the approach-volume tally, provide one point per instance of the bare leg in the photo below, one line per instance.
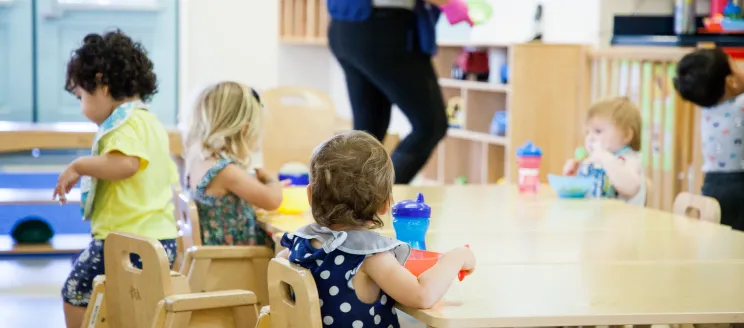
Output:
(74, 315)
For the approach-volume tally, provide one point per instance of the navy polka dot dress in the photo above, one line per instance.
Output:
(335, 264)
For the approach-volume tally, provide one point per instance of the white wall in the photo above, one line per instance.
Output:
(227, 40)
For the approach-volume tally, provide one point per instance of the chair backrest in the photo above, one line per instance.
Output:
(298, 120)
(189, 230)
(133, 294)
(300, 311)
(697, 206)
(218, 268)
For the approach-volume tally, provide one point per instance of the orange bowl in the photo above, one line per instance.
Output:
(420, 261)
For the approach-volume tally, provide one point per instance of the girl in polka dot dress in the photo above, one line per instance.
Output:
(712, 80)
(359, 273)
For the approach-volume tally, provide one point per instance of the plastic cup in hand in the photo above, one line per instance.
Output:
(529, 157)
(411, 221)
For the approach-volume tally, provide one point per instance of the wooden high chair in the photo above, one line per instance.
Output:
(302, 311)
(155, 297)
(215, 268)
(298, 120)
(698, 207)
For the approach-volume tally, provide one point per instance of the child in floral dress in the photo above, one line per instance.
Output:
(225, 129)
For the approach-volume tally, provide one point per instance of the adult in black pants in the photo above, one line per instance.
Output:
(384, 65)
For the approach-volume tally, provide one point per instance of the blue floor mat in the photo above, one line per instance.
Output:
(65, 219)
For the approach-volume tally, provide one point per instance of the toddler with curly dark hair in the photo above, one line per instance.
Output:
(127, 180)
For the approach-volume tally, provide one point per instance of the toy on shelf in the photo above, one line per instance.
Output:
(411, 221)
(505, 73)
(472, 63)
(732, 10)
(498, 123)
(294, 197)
(454, 112)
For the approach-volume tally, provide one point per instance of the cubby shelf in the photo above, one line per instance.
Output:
(476, 136)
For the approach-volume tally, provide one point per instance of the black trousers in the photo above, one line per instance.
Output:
(383, 66)
(728, 190)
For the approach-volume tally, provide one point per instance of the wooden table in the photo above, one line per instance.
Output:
(17, 136)
(545, 261)
(469, 209)
(592, 294)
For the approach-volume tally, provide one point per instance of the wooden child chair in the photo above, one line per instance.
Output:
(697, 206)
(155, 296)
(189, 232)
(298, 120)
(216, 268)
(300, 311)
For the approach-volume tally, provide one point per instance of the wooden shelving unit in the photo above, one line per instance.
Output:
(471, 151)
(303, 22)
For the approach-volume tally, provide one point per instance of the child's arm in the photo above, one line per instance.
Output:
(237, 181)
(112, 166)
(623, 174)
(422, 293)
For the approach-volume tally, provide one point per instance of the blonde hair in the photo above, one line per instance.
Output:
(225, 123)
(623, 113)
(351, 179)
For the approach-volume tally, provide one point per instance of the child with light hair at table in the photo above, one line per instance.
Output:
(359, 273)
(224, 131)
(613, 143)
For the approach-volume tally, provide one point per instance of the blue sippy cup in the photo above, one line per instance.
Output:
(411, 221)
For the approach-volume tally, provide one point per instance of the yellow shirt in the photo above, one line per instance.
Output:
(141, 204)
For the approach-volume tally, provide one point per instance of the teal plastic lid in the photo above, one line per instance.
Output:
(529, 150)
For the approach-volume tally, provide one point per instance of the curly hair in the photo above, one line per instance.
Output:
(115, 61)
(351, 179)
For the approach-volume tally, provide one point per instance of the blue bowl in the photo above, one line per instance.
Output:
(570, 186)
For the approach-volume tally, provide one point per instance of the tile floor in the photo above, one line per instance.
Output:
(30, 291)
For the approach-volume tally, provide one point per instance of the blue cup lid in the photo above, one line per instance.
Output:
(529, 150)
(412, 208)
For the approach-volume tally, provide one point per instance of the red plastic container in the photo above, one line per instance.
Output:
(716, 7)
(420, 261)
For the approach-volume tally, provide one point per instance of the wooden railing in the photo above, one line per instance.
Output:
(669, 135)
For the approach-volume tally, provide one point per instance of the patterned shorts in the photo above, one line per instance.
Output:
(79, 284)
